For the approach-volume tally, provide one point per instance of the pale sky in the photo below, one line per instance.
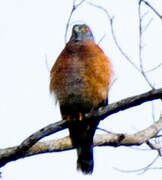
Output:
(31, 32)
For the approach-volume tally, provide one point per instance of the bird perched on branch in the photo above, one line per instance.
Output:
(80, 80)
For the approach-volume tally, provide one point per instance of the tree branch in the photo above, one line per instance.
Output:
(14, 153)
(126, 103)
(153, 9)
(75, 6)
(111, 20)
(140, 45)
(110, 139)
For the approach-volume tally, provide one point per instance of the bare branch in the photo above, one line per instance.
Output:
(147, 25)
(140, 46)
(104, 130)
(101, 39)
(153, 147)
(152, 8)
(101, 8)
(157, 146)
(126, 103)
(109, 139)
(111, 20)
(46, 63)
(141, 170)
(120, 49)
(154, 68)
(75, 6)
(17, 152)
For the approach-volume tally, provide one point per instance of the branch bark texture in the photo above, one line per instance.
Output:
(31, 146)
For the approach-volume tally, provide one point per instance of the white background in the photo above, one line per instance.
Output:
(31, 38)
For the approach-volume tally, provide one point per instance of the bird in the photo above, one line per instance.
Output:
(80, 80)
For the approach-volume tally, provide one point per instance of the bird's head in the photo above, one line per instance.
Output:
(81, 32)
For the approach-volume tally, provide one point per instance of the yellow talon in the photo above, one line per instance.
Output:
(80, 116)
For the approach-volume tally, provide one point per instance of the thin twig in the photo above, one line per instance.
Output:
(141, 170)
(101, 8)
(153, 9)
(111, 19)
(46, 63)
(75, 6)
(113, 82)
(147, 25)
(120, 49)
(102, 38)
(153, 111)
(158, 136)
(153, 147)
(154, 68)
(149, 165)
(140, 36)
(140, 46)
(104, 130)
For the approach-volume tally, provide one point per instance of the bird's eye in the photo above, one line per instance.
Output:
(86, 29)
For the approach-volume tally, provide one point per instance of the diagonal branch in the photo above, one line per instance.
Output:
(152, 8)
(126, 103)
(154, 68)
(20, 151)
(111, 20)
(109, 139)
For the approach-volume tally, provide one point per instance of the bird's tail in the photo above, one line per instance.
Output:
(85, 159)
(82, 134)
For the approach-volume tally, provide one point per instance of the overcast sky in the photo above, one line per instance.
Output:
(31, 38)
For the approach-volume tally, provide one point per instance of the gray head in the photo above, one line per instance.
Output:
(81, 32)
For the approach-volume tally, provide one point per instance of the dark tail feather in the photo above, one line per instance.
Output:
(85, 159)
(82, 138)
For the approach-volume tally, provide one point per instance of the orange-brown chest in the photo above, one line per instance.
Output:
(81, 74)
